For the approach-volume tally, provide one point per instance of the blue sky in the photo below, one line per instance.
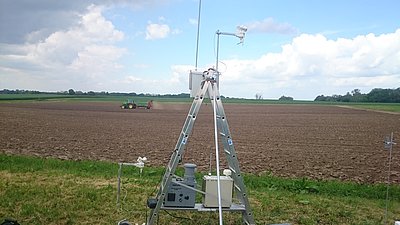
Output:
(294, 48)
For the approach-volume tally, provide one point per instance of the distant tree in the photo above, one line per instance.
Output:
(345, 98)
(384, 95)
(285, 98)
(321, 98)
(6, 91)
(71, 92)
(378, 95)
(375, 95)
(259, 96)
(396, 95)
(356, 92)
(358, 96)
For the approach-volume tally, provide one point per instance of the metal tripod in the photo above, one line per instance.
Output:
(208, 87)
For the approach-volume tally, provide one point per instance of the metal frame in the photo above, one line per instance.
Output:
(209, 86)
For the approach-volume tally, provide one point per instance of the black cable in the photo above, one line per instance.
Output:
(159, 182)
(177, 217)
(123, 203)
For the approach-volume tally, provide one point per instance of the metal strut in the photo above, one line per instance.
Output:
(210, 88)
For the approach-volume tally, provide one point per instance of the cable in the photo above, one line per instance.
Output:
(210, 171)
(226, 67)
(388, 179)
(126, 194)
(216, 54)
(159, 181)
(122, 203)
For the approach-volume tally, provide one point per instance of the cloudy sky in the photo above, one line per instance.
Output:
(294, 48)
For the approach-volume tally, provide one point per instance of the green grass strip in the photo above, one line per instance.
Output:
(35, 190)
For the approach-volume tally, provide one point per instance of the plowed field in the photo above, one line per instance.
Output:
(320, 142)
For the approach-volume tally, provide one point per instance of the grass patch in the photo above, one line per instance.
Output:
(390, 107)
(51, 191)
(325, 188)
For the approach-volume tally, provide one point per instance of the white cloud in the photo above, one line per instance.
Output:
(66, 58)
(160, 30)
(21, 21)
(157, 31)
(96, 60)
(193, 21)
(269, 25)
(64, 47)
(141, 66)
(308, 66)
(176, 82)
(180, 74)
(97, 28)
(176, 31)
(365, 62)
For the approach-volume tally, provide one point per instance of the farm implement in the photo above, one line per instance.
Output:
(130, 104)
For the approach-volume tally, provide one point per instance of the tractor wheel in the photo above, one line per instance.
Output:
(134, 106)
(122, 107)
(130, 106)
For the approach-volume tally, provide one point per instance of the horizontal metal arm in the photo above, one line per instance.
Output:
(226, 33)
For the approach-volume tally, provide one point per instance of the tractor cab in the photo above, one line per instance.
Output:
(129, 104)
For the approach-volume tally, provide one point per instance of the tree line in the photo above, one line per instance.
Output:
(375, 95)
(94, 93)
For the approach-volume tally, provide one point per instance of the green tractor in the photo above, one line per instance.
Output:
(130, 104)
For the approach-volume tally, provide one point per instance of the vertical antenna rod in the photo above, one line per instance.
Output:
(198, 35)
(217, 153)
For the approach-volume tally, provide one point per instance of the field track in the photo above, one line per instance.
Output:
(319, 142)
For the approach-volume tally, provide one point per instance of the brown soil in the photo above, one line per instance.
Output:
(320, 142)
